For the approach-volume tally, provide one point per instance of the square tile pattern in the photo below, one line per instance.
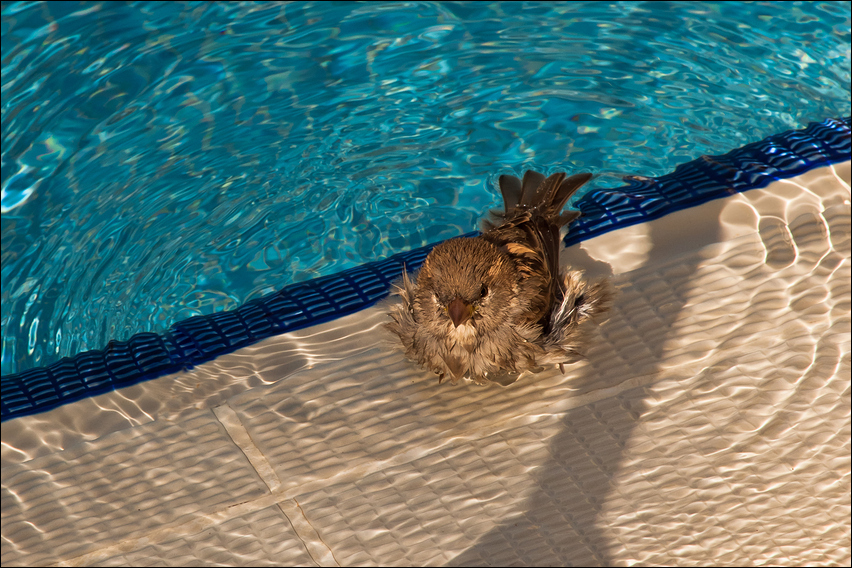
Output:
(709, 424)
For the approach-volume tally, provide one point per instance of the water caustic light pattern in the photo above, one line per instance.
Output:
(709, 424)
(161, 161)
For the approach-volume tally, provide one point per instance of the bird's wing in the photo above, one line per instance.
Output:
(529, 231)
(533, 244)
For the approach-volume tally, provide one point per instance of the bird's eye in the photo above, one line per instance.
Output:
(483, 291)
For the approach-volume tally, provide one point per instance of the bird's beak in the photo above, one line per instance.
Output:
(459, 311)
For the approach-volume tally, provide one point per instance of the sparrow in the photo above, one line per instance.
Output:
(491, 307)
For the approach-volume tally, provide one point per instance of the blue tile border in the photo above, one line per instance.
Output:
(712, 177)
(199, 339)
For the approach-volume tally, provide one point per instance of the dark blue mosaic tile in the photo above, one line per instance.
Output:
(196, 340)
(256, 320)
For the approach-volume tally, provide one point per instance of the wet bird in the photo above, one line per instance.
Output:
(491, 307)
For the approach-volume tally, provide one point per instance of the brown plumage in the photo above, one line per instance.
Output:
(496, 305)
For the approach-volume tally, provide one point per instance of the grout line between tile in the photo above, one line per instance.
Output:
(314, 545)
(242, 439)
(317, 548)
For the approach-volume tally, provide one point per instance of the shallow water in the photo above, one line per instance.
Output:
(161, 161)
(715, 397)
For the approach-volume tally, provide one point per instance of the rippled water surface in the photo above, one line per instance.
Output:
(166, 160)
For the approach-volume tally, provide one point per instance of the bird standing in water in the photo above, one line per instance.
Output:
(497, 305)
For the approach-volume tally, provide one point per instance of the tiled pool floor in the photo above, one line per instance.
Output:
(710, 424)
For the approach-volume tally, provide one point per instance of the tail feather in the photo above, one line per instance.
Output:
(511, 188)
(539, 194)
(569, 217)
(533, 181)
(546, 195)
(566, 189)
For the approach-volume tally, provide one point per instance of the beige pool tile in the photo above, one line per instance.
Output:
(736, 453)
(260, 538)
(121, 487)
(710, 424)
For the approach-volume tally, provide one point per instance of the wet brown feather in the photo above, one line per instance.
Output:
(531, 312)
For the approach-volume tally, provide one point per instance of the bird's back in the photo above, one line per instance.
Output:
(528, 229)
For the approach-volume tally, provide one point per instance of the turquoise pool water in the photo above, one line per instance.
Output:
(166, 160)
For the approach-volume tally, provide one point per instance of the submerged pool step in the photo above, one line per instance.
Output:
(193, 341)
